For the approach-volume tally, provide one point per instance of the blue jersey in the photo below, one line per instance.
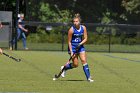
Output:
(77, 35)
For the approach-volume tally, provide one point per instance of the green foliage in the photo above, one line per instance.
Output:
(42, 37)
(107, 20)
(132, 6)
(132, 11)
(49, 15)
(98, 39)
(55, 36)
(130, 41)
(90, 10)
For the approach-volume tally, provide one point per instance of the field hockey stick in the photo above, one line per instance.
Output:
(16, 59)
(58, 75)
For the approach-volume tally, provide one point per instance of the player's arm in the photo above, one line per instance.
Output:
(84, 36)
(0, 51)
(20, 26)
(0, 25)
(70, 32)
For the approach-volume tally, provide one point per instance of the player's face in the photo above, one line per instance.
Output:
(22, 17)
(76, 22)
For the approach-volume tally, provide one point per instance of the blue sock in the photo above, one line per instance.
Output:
(86, 70)
(68, 66)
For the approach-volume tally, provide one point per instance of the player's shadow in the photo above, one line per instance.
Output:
(73, 80)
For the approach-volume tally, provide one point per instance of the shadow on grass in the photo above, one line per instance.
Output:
(73, 80)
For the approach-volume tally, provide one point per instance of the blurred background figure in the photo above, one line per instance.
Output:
(0, 51)
(0, 25)
(21, 31)
(0, 28)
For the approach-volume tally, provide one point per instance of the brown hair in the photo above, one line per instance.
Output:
(77, 15)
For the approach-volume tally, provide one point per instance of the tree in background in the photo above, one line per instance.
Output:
(132, 13)
(93, 11)
(49, 15)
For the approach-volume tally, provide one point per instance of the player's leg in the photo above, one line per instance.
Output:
(82, 56)
(72, 65)
(18, 36)
(14, 40)
(24, 41)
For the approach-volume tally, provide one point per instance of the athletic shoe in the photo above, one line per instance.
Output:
(10, 48)
(64, 72)
(26, 48)
(90, 80)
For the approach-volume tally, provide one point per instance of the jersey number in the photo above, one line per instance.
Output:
(77, 39)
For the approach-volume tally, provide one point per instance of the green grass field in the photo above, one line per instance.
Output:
(112, 72)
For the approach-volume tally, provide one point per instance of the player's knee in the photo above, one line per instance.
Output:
(83, 61)
(75, 65)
